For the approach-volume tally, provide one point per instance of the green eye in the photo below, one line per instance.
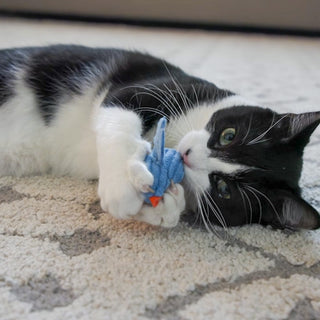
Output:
(227, 136)
(223, 189)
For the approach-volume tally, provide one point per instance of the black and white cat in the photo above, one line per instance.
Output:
(73, 110)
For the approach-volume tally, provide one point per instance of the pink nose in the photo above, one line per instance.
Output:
(185, 158)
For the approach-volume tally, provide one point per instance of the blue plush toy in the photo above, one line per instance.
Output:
(165, 164)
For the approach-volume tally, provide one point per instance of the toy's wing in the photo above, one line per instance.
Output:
(158, 140)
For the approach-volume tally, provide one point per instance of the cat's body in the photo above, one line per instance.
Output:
(71, 110)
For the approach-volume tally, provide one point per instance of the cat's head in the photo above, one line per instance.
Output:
(244, 167)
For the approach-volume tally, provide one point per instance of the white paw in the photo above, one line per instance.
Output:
(168, 211)
(121, 152)
(121, 199)
(123, 177)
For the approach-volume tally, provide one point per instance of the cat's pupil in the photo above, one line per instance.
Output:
(227, 136)
(223, 189)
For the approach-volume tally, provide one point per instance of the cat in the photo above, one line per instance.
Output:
(92, 113)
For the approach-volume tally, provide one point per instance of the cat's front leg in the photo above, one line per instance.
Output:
(123, 175)
(167, 212)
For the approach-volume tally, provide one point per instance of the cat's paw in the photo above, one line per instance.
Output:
(168, 211)
(121, 199)
(124, 177)
(121, 151)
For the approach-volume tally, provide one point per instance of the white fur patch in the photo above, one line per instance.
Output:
(200, 162)
(72, 139)
(66, 147)
(198, 117)
(22, 141)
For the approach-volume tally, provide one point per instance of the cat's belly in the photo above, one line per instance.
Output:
(73, 152)
(28, 146)
(22, 145)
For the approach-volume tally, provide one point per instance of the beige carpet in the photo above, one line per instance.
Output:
(62, 258)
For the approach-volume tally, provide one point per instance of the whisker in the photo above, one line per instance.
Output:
(168, 103)
(153, 110)
(243, 200)
(264, 133)
(249, 127)
(199, 202)
(158, 97)
(260, 141)
(217, 211)
(179, 107)
(165, 103)
(168, 95)
(174, 113)
(270, 202)
(259, 203)
(219, 217)
(181, 92)
(211, 227)
(195, 94)
(209, 204)
(250, 206)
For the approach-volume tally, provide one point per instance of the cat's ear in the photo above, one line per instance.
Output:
(300, 127)
(290, 211)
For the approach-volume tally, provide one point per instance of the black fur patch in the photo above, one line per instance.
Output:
(135, 80)
(11, 60)
(57, 73)
(153, 88)
(271, 147)
(260, 143)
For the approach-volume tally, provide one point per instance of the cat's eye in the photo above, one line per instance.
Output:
(223, 189)
(227, 136)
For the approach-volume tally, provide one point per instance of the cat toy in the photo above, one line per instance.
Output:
(165, 164)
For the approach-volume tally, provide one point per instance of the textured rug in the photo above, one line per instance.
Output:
(61, 257)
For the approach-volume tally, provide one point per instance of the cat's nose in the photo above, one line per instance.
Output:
(185, 157)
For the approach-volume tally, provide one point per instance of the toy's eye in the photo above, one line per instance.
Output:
(227, 136)
(223, 189)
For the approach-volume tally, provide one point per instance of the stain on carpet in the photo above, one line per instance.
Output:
(43, 293)
(95, 209)
(81, 241)
(8, 194)
(304, 310)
